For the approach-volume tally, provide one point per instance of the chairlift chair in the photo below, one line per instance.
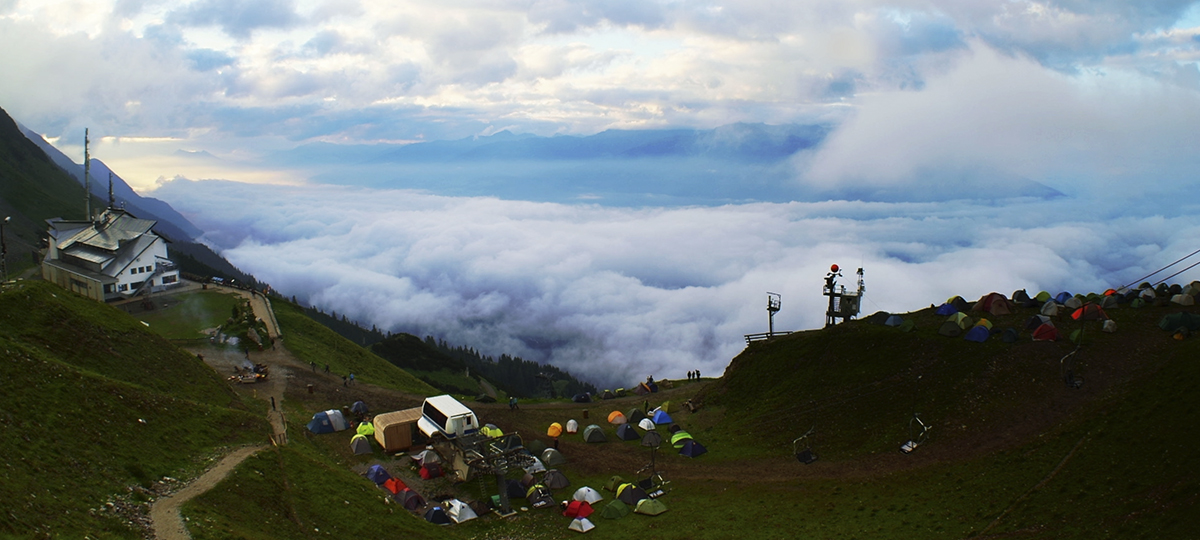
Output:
(918, 433)
(802, 448)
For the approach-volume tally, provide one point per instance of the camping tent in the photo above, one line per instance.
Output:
(894, 320)
(634, 416)
(594, 434)
(1073, 303)
(641, 389)
(490, 430)
(1036, 321)
(1089, 312)
(625, 432)
(554, 479)
(978, 334)
(328, 422)
(692, 449)
(945, 309)
(379, 475)
(409, 499)
(1062, 297)
(1050, 309)
(950, 329)
(650, 507)
(661, 417)
(437, 516)
(607, 394)
(679, 437)
(1046, 332)
(651, 439)
(1109, 326)
(430, 471)
(572, 426)
(395, 431)
(359, 444)
(359, 408)
(984, 323)
(535, 447)
(962, 320)
(615, 509)
(666, 407)
(631, 494)
(646, 424)
(1183, 319)
(959, 303)
(394, 485)
(994, 303)
(582, 398)
(426, 456)
(458, 511)
(578, 509)
(1020, 297)
(552, 457)
(616, 418)
(614, 483)
(539, 496)
(554, 430)
(588, 494)
(581, 524)
(1183, 299)
(1042, 297)
(1009, 335)
(365, 429)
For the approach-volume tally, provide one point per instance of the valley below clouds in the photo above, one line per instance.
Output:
(616, 294)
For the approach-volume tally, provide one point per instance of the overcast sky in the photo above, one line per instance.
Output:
(1099, 101)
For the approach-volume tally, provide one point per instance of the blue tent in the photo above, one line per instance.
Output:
(978, 334)
(327, 422)
(1062, 297)
(359, 408)
(946, 310)
(378, 474)
(661, 417)
(692, 449)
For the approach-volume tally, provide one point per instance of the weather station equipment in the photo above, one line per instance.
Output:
(843, 304)
(773, 304)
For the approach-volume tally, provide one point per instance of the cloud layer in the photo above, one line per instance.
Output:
(616, 294)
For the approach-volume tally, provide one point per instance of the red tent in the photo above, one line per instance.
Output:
(578, 509)
(994, 303)
(1046, 332)
(394, 485)
(1089, 312)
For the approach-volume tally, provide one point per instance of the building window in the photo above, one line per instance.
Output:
(108, 288)
(134, 270)
(169, 279)
(123, 287)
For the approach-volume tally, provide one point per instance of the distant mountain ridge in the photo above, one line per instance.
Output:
(170, 222)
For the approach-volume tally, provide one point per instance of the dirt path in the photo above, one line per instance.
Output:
(165, 519)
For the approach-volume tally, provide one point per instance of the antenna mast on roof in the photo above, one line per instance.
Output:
(87, 178)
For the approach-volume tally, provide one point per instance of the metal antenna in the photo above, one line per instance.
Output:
(87, 176)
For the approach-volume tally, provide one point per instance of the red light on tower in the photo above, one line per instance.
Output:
(833, 268)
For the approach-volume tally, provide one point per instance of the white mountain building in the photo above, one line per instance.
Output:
(113, 257)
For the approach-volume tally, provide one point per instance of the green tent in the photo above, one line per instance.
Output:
(1179, 320)
(594, 434)
(1042, 297)
(666, 407)
(679, 438)
(615, 510)
(650, 507)
(907, 326)
(614, 483)
(950, 329)
(366, 429)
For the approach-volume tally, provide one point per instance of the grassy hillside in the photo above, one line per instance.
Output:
(95, 405)
(313, 343)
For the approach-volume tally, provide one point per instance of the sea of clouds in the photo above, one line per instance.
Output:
(616, 294)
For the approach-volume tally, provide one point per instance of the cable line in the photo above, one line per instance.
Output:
(1143, 278)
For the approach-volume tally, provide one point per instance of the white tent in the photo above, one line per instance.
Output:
(459, 512)
(572, 426)
(646, 424)
(1110, 326)
(588, 495)
(581, 525)
(1183, 300)
(1073, 303)
(1050, 309)
(426, 456)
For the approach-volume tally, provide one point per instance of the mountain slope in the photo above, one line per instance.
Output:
(97, 409)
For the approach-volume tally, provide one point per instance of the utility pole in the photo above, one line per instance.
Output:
(773, 303)
(4, 249)
(87, 176)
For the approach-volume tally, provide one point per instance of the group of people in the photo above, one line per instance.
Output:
(694, 375)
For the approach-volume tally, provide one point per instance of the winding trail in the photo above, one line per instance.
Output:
(165, 519)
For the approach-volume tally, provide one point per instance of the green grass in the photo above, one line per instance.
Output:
(313, 343)
(93, 405)
(188, 315)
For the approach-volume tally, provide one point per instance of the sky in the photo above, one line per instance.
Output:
(1096, 100)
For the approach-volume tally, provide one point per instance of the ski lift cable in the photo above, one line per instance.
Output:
(1181, 259)
(1179, 272)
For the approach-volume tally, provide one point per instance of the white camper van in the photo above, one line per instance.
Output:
(445, 415)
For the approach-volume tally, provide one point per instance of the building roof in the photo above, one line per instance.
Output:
(114, 228)
(398, 417)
